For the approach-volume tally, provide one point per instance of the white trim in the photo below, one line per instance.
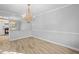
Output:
(76, 49)
(20, 38)
(48, 41)
(63, 32)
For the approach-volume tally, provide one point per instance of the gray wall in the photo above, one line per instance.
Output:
(61, 26)
(23, 29)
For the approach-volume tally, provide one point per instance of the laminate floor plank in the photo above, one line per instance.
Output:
(33, 45)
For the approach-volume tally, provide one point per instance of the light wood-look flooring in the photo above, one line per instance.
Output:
(33, 45)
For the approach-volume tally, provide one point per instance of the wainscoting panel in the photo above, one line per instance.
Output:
(62, 38)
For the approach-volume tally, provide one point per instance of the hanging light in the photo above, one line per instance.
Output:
(28, 15)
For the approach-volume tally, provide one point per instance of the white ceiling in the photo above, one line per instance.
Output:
(20, 9)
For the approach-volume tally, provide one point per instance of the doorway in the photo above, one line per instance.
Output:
(4, 27)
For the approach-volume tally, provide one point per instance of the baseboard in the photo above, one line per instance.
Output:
(48, 41)
(56, 43)
(20, 37)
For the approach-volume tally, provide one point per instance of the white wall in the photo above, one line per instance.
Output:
(61, 26)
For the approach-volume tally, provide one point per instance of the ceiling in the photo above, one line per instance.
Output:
(20, 9)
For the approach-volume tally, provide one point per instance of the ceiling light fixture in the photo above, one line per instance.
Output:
(28, 14)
